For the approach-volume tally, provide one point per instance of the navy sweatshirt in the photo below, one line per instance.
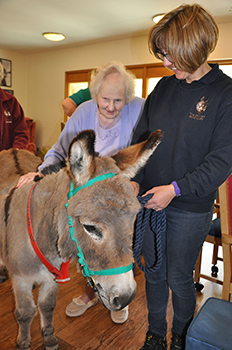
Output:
(196, 149)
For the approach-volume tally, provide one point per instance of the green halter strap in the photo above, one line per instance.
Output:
(86, 271)
(88, 184)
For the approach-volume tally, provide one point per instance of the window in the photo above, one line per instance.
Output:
(74, 87)
(226, 68)
(147, 76)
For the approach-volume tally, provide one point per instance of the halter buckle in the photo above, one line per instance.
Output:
(91, 283)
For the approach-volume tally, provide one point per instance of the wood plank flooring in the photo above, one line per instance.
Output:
(93, 330)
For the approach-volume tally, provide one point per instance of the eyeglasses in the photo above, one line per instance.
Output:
(161, 56)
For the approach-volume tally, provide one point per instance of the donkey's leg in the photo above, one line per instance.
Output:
(25, 311)
(46, 303)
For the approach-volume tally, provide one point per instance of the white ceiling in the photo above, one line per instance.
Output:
(22, 22)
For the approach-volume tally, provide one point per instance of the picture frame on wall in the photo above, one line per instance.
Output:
(7, 66)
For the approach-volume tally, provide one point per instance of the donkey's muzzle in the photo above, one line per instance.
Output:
(118, 302)
(116, 291)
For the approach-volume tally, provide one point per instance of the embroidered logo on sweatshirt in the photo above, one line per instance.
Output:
(200, 107)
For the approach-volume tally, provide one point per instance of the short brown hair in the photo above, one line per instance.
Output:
(188, 33)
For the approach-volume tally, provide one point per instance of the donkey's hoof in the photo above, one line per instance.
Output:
(54, 347)
(3, 274)
(23, 345)
(51, 343)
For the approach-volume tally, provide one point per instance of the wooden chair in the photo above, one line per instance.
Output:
(31, 125)
(222, 238)
(225, 193)
(214, 237)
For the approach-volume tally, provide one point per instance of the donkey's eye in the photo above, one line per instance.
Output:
(93, 231)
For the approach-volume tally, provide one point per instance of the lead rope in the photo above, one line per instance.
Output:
(157, 221)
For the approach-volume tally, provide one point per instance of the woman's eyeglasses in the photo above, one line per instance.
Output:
(161, 56)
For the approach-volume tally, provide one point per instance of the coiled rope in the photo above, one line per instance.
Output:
(157, 222)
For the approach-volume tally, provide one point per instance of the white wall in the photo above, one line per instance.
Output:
(39, 79)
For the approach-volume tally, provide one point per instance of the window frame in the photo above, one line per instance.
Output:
(141, 71)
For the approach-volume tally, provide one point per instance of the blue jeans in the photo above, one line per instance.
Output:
(185, 234)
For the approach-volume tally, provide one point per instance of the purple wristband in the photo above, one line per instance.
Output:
(176, 187)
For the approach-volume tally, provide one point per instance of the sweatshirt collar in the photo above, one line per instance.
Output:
(208, 78)
(212, 74)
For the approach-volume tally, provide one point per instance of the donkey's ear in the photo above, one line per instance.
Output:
(80, 161)
(133, 158)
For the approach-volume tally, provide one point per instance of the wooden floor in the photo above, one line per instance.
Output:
(93, 330)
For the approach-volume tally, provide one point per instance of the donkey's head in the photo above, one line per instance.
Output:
(103, 209)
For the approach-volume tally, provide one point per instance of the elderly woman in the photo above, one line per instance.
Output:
(113, 113)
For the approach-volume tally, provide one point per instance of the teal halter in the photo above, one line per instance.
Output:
(86, 271)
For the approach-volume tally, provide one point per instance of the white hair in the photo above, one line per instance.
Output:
(99, 75)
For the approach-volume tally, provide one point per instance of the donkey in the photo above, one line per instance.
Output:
(85, 211)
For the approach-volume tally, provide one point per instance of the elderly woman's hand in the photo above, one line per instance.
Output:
(26, 179)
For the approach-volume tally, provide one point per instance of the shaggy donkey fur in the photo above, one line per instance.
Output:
(103, 218)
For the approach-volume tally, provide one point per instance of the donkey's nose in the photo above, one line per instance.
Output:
(118, 302)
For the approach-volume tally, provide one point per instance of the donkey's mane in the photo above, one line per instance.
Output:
(54, 168)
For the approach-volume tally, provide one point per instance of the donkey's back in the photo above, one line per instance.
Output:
(13, 164)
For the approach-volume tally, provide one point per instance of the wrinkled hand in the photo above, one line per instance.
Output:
(26, 179)
(135, 186)
(162, 196)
